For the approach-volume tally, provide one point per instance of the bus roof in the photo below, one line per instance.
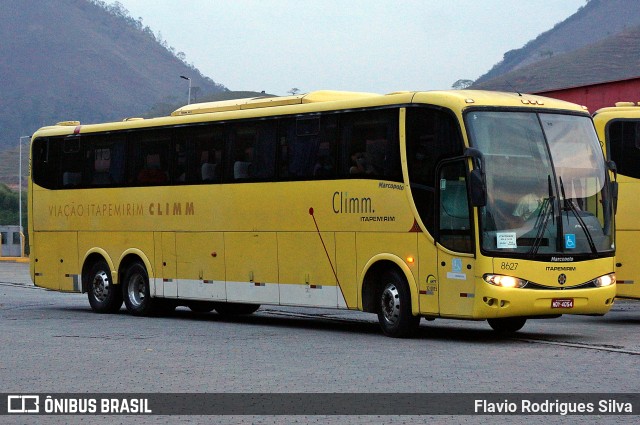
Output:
(620, 110)
(270, 101)
(325, 100)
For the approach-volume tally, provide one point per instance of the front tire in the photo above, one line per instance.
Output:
(507, 325)
(137, 292)
(394, 314)
(104, 296)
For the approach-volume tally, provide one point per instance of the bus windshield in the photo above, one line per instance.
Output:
(547, 191)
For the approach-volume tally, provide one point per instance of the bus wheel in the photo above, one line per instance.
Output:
(104, 296)
(507, 324)
(394, 313)
(135, 286)
(236, 309)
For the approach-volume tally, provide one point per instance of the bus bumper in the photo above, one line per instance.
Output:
(496, 302)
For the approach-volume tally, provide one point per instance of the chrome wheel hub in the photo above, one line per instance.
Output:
(136, 291)
(100, 286)
(390, 304)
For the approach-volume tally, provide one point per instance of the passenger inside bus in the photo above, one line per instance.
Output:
(360, 164)
(528, 205)
(242, 169)
(152, 172)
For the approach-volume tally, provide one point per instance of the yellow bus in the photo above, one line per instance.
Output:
(619, 128)
(461, 204)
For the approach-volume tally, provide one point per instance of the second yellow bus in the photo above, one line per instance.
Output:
(619, 128)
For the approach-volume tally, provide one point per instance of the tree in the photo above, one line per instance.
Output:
(461, 84)
(294, 91)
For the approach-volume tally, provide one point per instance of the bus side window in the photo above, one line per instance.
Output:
(152, 154)
(371, 145)
(101, 167)
(325, 162)
(308, 147)
(243, 139)
(71, 162)
(203, 155)
(454, 219)
(623, 138)
(152, 171)
(432, 135)
(286, 137)
(254, 151)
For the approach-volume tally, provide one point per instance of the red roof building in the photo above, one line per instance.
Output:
(599, 95)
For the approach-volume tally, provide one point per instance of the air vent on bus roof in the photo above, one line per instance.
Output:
(620, 104)
(69, 123)
(265, 102)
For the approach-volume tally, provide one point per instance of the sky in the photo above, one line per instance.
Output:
(378, 46)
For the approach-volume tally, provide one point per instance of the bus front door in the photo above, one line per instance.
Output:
(455, 241)
(456, 283)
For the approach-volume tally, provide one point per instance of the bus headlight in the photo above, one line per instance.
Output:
(606, 280)
(505, 281)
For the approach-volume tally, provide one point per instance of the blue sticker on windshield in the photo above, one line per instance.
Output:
(570, 241)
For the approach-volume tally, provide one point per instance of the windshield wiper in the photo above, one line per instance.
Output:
(547, 209)
(569, 206)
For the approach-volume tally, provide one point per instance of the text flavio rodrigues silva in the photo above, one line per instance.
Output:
(553, 407)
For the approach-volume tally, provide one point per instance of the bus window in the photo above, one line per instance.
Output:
(432, 136)
(45, 161)
(152, 152)
(105, 156)
(302, 148)
(198, 155)
(371, 145)
(307, 147)
(71, 161)
(455, 224)
(254, 151)
(207, 164)
(325, 159)
(624, 146)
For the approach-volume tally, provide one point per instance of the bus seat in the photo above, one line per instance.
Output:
(101, 174)
(208, 172)
(101, 179)
(152, 173)
(241, 170)
(71, 179)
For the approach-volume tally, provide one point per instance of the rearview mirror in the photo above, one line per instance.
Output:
(478, 189)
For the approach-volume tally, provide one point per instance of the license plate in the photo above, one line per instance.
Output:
(562, 303)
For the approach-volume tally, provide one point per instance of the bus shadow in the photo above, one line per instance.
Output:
(427, 330)
(631, 321)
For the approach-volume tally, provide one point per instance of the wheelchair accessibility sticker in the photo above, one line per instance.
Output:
(570, 241)
(456, 270)
(456, 265)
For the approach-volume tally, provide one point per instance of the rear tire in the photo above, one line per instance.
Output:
(507, 325)
(136, 291)
(236, 309)
(394, 314)
(104, 296)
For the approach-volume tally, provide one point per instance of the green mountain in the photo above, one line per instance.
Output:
(83, 60)
(599, 43)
